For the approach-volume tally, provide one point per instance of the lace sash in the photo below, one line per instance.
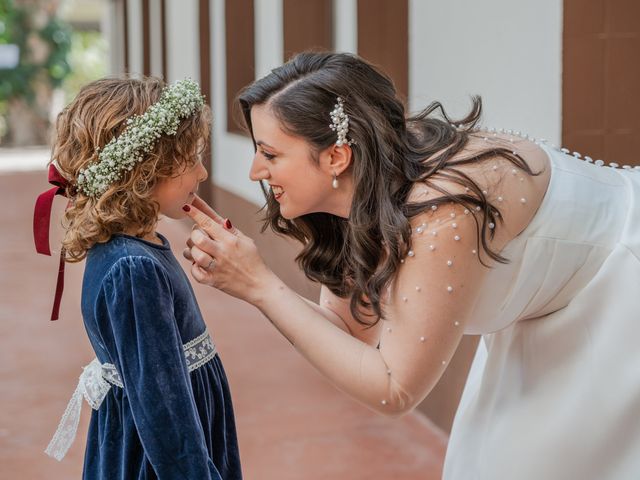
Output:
(96, 381)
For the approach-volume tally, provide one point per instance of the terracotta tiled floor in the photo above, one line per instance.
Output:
(292, 423)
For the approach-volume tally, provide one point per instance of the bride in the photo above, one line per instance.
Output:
(422, 229)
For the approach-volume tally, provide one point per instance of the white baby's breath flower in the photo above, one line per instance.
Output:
(177, 102)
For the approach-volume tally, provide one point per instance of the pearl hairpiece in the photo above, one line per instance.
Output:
(122, 153)
(340, 123)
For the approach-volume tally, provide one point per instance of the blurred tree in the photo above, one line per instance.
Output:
(44, 42)
(88, 60)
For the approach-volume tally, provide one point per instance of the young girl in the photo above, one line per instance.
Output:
(128, 150)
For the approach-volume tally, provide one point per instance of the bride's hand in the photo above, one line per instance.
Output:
(225, 258)
(207, 210)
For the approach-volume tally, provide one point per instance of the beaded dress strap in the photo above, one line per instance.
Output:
(489, 134)
(97, 379)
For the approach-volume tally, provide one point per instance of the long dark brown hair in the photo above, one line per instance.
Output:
(391, 152)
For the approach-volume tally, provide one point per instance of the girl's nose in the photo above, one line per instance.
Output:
(203, 173)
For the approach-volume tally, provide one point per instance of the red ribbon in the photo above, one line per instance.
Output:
(41, 222)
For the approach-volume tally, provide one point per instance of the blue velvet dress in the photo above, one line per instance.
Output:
(166, 422)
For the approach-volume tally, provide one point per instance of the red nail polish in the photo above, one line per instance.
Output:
(227, 224)
(186, 208)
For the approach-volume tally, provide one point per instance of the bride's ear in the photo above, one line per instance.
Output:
(336, 159)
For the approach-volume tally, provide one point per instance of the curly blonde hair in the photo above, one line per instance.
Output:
(98, 114)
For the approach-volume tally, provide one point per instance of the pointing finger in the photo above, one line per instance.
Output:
(207, 210)
(206, 223)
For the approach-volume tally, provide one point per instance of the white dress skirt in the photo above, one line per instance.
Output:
(556, 393)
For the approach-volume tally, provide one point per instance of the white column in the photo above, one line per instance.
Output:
(134, 28)
(232, 153)
(345, 25)
(111, 27)
(155, 27)
(182, 40)
(269, 41)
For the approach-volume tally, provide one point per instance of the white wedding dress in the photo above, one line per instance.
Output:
(556, 393)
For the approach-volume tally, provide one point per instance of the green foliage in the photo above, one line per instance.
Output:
(18, 26)
(88, 60)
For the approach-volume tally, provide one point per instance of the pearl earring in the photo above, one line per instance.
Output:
(334, 183)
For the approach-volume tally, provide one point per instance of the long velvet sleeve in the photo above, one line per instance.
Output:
(143, 339)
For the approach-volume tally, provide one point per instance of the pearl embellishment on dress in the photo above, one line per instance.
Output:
(491, 225)
(541, 141)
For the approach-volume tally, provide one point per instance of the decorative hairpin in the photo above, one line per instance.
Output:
(340, 123)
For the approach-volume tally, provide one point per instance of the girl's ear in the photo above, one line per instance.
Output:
(336, 159)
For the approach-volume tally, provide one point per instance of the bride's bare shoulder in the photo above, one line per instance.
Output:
(511, 189)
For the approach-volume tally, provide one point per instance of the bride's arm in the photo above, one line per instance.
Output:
(333, 308)
(337, 310)
(428, 305)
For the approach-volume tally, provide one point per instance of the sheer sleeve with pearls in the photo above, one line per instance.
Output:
(430, 299)
(428, 304)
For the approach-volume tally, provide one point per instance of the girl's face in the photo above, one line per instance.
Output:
(298, 183)
(172, 193)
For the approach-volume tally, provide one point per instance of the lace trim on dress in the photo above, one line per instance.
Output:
(96, 381)
(199, 351)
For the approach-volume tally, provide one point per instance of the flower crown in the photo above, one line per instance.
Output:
(122, 153)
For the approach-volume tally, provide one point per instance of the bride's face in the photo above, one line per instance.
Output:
(298, 183)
